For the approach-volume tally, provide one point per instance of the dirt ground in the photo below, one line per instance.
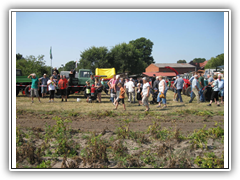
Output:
(186, 123)
(95, 118)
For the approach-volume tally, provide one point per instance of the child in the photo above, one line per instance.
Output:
(139, 97)
(92, 92)
(88, 91)
(121, 96)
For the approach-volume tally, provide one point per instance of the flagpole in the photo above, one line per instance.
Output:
(51, 59)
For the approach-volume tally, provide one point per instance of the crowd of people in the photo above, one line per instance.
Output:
(138, 90)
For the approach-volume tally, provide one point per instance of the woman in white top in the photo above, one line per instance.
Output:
(51, 87)
(162, 87)
(145, 93)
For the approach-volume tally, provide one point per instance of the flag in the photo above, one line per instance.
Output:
(50, 52)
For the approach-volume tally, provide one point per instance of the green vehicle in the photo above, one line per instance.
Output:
(22, 83)
(77, 84)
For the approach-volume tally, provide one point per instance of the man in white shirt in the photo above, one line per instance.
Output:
(195, 89)
(131, 90)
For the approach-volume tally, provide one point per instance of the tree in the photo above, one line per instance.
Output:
(19, 56)
(199, 60)
(69, 66)
(31, 64)
(181, 61)
(214, 62)
(144, 47)
(94, 57)
(126, 59)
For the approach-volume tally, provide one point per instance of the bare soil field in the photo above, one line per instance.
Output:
(92, 135)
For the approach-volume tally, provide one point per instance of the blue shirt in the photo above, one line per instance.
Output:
(220, 84)
(191, 79)
(44, 80)
(179, 83)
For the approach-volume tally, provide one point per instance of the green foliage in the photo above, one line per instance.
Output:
(44, 164)
(158, 133)
(214, 62)
(181, 61)
(31, 64)
(69, 66)
(200, 137)
(133, 57)
(94, 57)
(61, 132)
(210, 160)
(199, 60)
(19, 137)
(96, 150)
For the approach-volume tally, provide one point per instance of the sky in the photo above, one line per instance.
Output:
(175, 35)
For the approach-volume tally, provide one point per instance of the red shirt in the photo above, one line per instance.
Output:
(93, 89)
(62, 83)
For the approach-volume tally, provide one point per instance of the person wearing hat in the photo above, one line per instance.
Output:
(44, 81)
(195, 89)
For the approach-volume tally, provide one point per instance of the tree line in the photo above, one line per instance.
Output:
(133, 57)
(212, 63)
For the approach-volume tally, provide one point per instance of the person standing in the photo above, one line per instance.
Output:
(35, 86)
(221, 87)
(153, 79)
(88, 91)
(121, 96)
(57, 72)
(126, 89)
(51, 87)
(91, 80)
(209, 87)
(201, 86)
(111, 88)
(139, 91)
(190, 80)
(215, 87)
(131, 91)
(44, 81)
(145, 93)
(162, 87)
(195, 89)
(55, 76)
(117, 88)
(99, 88)
(174, 89)
(63, 85)
(178, 85)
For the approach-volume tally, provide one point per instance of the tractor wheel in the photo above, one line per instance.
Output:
(27, 90)
(17, 92)
(188, 91)
(184, 91)
(85, 95)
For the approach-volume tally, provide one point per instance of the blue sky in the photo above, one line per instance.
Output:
(176, 35)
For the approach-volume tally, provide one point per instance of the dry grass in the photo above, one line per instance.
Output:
(24, 103)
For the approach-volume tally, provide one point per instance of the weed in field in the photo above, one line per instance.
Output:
(44, 164)
(95, 152)
(157, 133)
(198, 138)
(210, 160)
